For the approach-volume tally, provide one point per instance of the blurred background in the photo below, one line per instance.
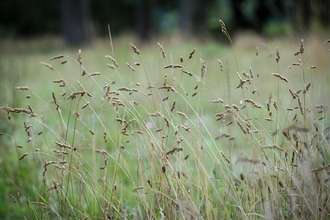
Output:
(80, 21)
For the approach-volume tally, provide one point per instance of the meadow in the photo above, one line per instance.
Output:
(166, 130)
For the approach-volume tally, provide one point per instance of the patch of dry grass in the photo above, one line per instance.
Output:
(154, 134)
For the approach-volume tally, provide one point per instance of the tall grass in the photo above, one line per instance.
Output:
(172, 137)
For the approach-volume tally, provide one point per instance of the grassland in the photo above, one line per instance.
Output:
(175, 130)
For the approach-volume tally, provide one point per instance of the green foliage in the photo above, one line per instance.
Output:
(278, 29)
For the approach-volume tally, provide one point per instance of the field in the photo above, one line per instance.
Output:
(165, 130)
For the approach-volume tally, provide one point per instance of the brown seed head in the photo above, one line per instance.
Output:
(135, 49)
(130, 66)
(22, 88)
(192, 53)
(162, 49)
(221, 66)
(79, 57)
(57, 57)
(278, 57)
(302, 49)
(48, 65)
(257, 51)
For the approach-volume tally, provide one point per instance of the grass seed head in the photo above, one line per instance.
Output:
(192, 53)
(130, 66)
(79, 57)
(302, 49)
(22, 88)
(23, 155)
(257, 51)
(280, 76)
(47, 65)
(112, 59)
(57, 57)
(135, 49)
(162, 50)
(278, 56)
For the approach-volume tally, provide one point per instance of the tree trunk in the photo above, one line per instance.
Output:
(76, 22)
(321, 12)
(143, 19)
(201, 19)
(185, 18)
(240, 21)
(302, 15)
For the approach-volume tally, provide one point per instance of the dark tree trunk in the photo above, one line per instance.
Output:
(143, 19)
(321, 12)
(261, 15)
(201, 19)
(264, 13)
(240, 21)
(76, 22)
(185, 18)
(302, 15)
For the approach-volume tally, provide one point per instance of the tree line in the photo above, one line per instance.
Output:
(79, 20)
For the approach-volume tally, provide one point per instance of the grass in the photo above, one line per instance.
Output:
(215, 136)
